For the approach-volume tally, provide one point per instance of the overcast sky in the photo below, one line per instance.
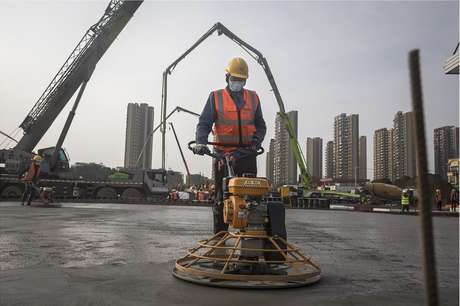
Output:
(327, 58)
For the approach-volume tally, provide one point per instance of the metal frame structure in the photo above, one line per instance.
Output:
(217, 262)
(181, 153)
(261, 60)
(177, 109)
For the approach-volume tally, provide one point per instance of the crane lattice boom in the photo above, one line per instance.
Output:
(77, 68)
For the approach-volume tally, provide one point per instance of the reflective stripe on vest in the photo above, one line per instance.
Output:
(405, 200)
(227, 124)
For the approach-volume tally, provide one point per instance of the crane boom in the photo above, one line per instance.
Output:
(257, 55)
(76, 70)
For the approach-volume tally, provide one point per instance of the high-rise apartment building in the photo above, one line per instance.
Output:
(445, 147)
(403, 145)
(139, 124)
(269, 161)
(330, 169)
(362, 171)
(284, 162)
(391, 162)
(382, 157)
(315, 157)
(346, 145)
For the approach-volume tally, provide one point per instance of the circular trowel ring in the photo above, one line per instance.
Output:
(244, 283)
(218, 262)
(43, 205)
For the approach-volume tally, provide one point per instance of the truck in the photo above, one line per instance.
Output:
(72, 76)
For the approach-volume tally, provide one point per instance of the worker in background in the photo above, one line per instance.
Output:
(405, 201)
(236, 115)
(453, 199)
(30, 179)
(438, 199)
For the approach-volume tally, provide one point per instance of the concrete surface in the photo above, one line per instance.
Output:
(115, 254)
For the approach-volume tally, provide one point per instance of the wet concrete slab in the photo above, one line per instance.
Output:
(121, 254)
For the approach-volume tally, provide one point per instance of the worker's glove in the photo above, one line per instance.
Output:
(200, 149)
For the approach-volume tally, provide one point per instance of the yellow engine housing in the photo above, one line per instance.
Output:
(238, 187)
(252, 186)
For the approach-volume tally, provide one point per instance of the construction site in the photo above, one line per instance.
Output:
(240, 217)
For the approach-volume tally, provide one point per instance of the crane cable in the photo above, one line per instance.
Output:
(7, 141)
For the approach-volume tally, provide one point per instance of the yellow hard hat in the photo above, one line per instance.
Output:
(238, 68)
(37, 158)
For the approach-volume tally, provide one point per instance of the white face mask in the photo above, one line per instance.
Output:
(236, 85)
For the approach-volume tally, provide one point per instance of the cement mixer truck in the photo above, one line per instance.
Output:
(380, 193)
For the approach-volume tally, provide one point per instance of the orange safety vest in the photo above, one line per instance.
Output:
(32, 173)
(232, 126)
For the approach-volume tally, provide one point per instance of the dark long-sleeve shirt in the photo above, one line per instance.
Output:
(208, 117)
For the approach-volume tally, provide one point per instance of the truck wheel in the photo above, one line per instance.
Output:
(11, 192)
(106, 193)
(131, 194)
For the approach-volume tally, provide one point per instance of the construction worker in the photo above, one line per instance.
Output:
(30, 179)
(453, 199)
(236, 115)
(404, 201)
(438, 199)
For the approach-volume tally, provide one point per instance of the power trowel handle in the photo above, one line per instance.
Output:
(209, 153)
(247, 152)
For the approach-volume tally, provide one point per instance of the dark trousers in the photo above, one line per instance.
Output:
(439, 205)
(245, 165)
(29, 192)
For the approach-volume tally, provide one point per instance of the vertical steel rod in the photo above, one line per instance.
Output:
(429, 262)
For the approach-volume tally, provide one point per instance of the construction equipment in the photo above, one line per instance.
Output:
(380, 193)
(452, 63)
(257, 55)
(147, 139)
(181, 153)
(255, 253)
(72, 76)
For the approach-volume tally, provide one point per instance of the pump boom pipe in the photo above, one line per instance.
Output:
(256, 55)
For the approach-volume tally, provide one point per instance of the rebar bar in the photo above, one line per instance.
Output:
(428, 253)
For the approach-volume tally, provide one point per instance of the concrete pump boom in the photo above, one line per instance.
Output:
(257, 55)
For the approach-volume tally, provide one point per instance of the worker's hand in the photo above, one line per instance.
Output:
(200, 149)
